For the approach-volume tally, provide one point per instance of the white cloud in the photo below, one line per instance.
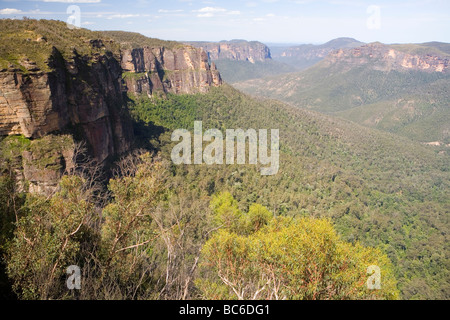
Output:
(10, 11)
(210, 10)
(169, 11)
(123, 16)
(205, 15)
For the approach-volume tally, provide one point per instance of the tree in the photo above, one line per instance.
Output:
(288, 258)
(128, 230)
(48, 239)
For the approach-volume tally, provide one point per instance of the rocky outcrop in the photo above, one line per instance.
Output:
(53, 94)
(181, 70)
(239, 50)
(386, 58)
(83, 95)
(45, 162)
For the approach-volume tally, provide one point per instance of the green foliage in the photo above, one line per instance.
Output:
(432, 48)
(257, 217)
(47, 150)
(226, 211)
(144, 243)
(132, 40)
(380, 189)
(128, 231)
(36, 39)
(11, 148)
(233, 71)
(64, 229)
(11, 202)
(285, 258)
(179, 111)
(47, 240)
(410, 103)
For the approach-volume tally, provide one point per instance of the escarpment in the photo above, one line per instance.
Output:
(182, 70)
(238, 50)
(387, 58)
(83, 95)
(57, 82)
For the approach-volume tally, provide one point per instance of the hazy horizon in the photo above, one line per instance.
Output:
(267, 21)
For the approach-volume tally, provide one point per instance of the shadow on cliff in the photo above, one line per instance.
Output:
(147, 135)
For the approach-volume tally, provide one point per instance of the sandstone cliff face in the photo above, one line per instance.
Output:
(181, 70)
(81, 97)
(235, 50)
(387, 59)
(84, 93)
(45, 162)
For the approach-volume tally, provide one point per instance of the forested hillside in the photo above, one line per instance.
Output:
(376, 86)
(377, 188)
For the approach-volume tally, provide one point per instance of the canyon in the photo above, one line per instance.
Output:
(237, 50)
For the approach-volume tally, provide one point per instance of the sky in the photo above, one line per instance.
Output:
(268, 21)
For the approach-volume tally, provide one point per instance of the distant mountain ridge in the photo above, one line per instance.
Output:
(397, 88)
(386, 58)
(240, 60)
(306, 55)
(309, 50)
(238, 50)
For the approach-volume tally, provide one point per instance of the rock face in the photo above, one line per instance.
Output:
(45, 162)
(71, 96)
(181, 70)
(239, 50)
(84, 94)
(387, 58)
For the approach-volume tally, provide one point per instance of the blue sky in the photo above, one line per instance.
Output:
(282, 21)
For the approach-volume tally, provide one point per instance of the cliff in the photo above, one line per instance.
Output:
(386, 58)
(182, 70)
(84, 93)
(56, 82)
(238, 50)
